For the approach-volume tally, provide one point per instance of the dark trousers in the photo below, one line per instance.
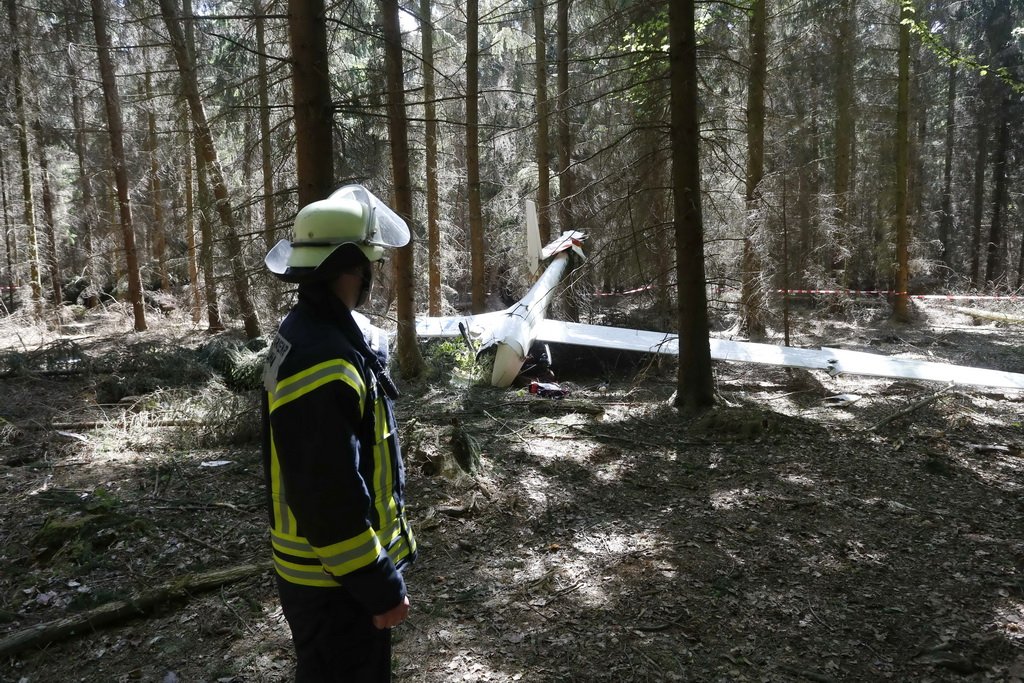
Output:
(335, 639)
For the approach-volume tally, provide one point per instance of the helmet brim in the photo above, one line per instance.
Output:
(286, 264)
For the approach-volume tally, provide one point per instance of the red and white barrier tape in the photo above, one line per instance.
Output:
(888, 292)
(856, 292)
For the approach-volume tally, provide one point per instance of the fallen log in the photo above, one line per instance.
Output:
(988, 315)
(122, 610)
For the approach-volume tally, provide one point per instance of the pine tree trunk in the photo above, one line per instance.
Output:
(190, 225)
(10, 238)
(87, 214)
(307, 35)
(409, 360)
(978, 207)
(946, 213)
(213, 318)
(995, 263)
(901, 303)
(566, 183)
(434, 297)
(204, 140)
(752, 294)
(543, 146)
(845, 130)
(694, 391)
(156, 189)
(21, 111)
(52, 255)
(266, 149)
(115, 124)
(476, 220)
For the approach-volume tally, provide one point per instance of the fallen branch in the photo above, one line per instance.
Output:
(115, 423)
(988, 315)
(906, 411)
(123, 610)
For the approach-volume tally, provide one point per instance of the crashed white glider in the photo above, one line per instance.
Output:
(514, 330)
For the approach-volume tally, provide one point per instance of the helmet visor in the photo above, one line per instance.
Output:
(385, 228)
(277, 258)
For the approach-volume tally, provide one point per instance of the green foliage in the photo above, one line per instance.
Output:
(954, 57)
(646, 45)
(452, 358)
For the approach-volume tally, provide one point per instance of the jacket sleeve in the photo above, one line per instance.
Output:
(316, 437)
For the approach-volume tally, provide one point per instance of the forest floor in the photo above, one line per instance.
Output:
(776, 538)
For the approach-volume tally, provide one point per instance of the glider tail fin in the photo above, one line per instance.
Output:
(533, 245)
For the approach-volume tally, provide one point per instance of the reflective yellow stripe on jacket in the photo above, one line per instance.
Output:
(301, 383)
(295, 559)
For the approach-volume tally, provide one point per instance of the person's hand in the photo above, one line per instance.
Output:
(394, 616)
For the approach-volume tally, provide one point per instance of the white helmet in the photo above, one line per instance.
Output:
(351, 215)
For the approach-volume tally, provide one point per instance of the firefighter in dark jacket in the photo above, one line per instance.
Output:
(333, 468)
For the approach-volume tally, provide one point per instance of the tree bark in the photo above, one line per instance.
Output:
(10, 237)
(694, 391)
(87, 213)
(155, 188)
(978, 207)
(21, 112)
(901, 302)
(115, 124)
(566, 182)
(201, 201)
(845, 130)
(190, 224)
(751, 290)
(204, 139)
(52, 256)
(543, 146)
(434, 298)
(409, 360)
(946, 212)
(314, 144)
(995, 263)
(266, 150)
(476, 220)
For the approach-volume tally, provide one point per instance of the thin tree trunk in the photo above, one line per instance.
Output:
(978, 208)
(694, 391)
(52, 256)
(901, 303)
(543, 146)
(995, 264)
(434, 298)
(190, 225)
(307, 34)
(844, 132)
(10, 237)
(566, 182)
(946, 213)
(214, 321)
(87, 217)
(266, 149)
(409, 360)
(198, 202)
(204, 139)
(476, 220)
(28, 201)
(114, 122)
(155, 188)
(751, 290)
